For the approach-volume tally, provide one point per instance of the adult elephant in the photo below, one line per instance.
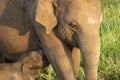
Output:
(62, 26)
(18, 40)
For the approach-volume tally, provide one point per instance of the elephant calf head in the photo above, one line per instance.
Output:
(26, 68)
(75, 23)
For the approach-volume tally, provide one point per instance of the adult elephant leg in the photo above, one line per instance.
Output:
(56, 54)
(76, 60)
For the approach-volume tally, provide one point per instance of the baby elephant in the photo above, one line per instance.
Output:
(26, 68)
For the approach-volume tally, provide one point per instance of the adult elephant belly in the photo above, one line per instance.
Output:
(16, 32)
(17, 41)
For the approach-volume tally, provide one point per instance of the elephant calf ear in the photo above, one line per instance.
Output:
(45, 15)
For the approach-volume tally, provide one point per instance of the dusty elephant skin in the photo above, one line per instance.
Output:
(16, 35)
(26, 68)
(64, 27)
(78, 23)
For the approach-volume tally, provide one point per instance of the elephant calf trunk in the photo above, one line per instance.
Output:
(90, 48)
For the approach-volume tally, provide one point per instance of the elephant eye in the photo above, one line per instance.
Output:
(74, 26)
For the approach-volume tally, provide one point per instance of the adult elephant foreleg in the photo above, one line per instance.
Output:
(56, 54)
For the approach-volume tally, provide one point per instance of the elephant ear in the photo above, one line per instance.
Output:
(45, 14)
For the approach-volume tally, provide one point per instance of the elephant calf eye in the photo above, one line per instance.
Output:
(74, 26)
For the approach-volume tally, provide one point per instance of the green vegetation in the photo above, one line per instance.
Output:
(109, 66)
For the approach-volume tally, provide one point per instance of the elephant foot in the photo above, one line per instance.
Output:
(26, 68)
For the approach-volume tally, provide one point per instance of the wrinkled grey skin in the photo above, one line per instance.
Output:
(63, 27)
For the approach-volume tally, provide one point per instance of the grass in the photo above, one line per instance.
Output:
(109, 65)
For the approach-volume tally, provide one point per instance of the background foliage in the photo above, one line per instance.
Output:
(109, 66)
